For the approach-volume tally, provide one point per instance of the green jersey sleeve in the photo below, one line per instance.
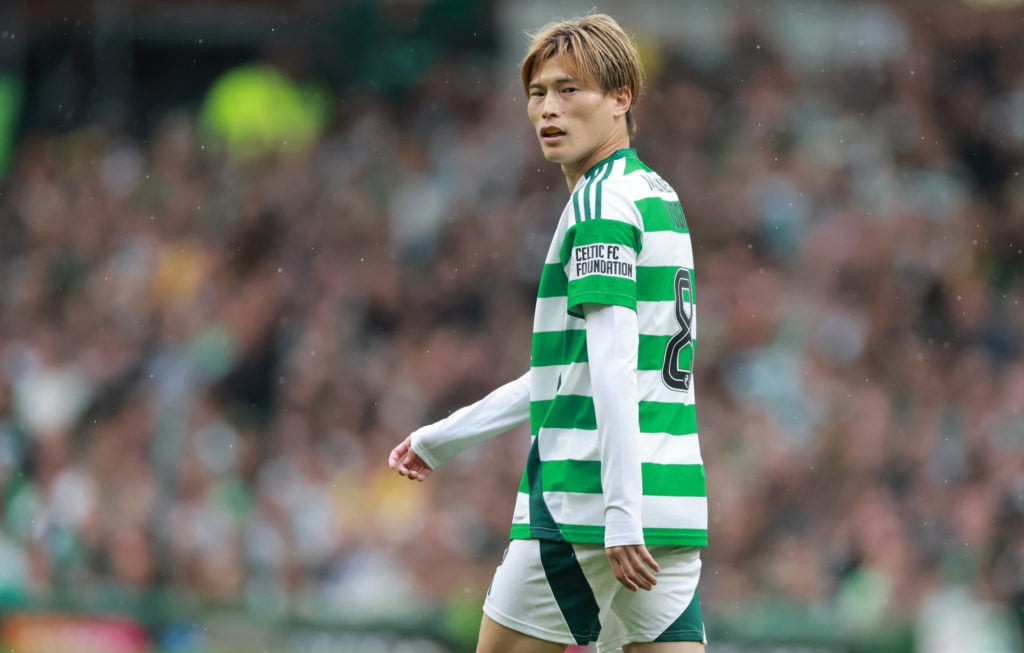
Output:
(599, 258)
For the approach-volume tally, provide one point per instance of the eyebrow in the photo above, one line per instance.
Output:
(560, 80)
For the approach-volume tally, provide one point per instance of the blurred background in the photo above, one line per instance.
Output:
(247, 247)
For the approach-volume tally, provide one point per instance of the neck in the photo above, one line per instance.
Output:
(573, 171)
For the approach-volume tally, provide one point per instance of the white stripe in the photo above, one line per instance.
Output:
(618, 169)
(544, 382)
(657, 512)
(666, 248)
(568, 444)
(666, 449)
(592, 196)
(675, 512)
(659, 318)
(521, 513)
(551, 315)
(575, 508)
(651, 387)
(634, 187)
(575, 380)
(567, 218)
(578, 444)
(654, 318)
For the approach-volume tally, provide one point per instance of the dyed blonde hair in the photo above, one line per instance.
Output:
(597, 48)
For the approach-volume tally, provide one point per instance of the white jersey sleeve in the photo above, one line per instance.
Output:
(504, 408)
(612, 337)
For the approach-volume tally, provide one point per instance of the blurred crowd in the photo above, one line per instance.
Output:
(205, 358)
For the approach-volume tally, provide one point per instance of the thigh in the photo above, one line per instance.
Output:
(539, 590)
(495, 638)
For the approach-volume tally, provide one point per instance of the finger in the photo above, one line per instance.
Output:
(641, 578)
(622, 572)
(644, 578)
(394, 460)
(649, 559)
(644, 574)
(400, 466)
(627, 581)
(413, 464)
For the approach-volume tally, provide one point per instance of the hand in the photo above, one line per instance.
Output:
(633, 566)
(407, 462)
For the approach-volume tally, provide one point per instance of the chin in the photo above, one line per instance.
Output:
(554, 156)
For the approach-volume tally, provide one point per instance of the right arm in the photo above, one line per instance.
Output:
(429, 447)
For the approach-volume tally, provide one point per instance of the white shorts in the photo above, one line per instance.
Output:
(566, 593)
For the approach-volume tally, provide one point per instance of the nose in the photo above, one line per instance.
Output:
(551, 106)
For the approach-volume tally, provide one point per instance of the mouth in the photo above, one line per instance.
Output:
(551, 134)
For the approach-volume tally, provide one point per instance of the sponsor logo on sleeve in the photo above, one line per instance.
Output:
(602, 259)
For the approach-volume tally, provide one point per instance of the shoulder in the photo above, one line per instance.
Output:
(605, 197)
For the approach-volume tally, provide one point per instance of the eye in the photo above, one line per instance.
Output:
(536, 93)
(569, 89)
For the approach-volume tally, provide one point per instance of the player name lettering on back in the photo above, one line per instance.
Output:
(654, 182)
(601, 258)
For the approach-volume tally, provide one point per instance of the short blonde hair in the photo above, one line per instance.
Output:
(597, 47)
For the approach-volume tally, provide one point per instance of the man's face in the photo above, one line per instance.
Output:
(574, 119)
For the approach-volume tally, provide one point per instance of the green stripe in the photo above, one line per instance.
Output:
(577, 412)
(584, 534)
(676, 536)
(519, 532)
(587, 214)
(659, 215)
(604, 175)
(565, 347)
(571, 589)
(576, 205)
(584, 477)
(553, 282)
(559, 348)
(601, 289)
(689, 627)
(674, 419)
(563, 412)
(674, 480)
(651, 353)
(656, 284)
(612, 232)
(634, 164)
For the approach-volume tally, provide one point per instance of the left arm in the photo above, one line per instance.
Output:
(612, 343)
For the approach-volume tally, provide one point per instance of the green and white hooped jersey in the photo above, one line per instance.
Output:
(622, 240)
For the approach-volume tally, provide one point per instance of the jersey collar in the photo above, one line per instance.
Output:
(617, 154)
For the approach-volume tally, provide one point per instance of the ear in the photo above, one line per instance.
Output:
(623, 97)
